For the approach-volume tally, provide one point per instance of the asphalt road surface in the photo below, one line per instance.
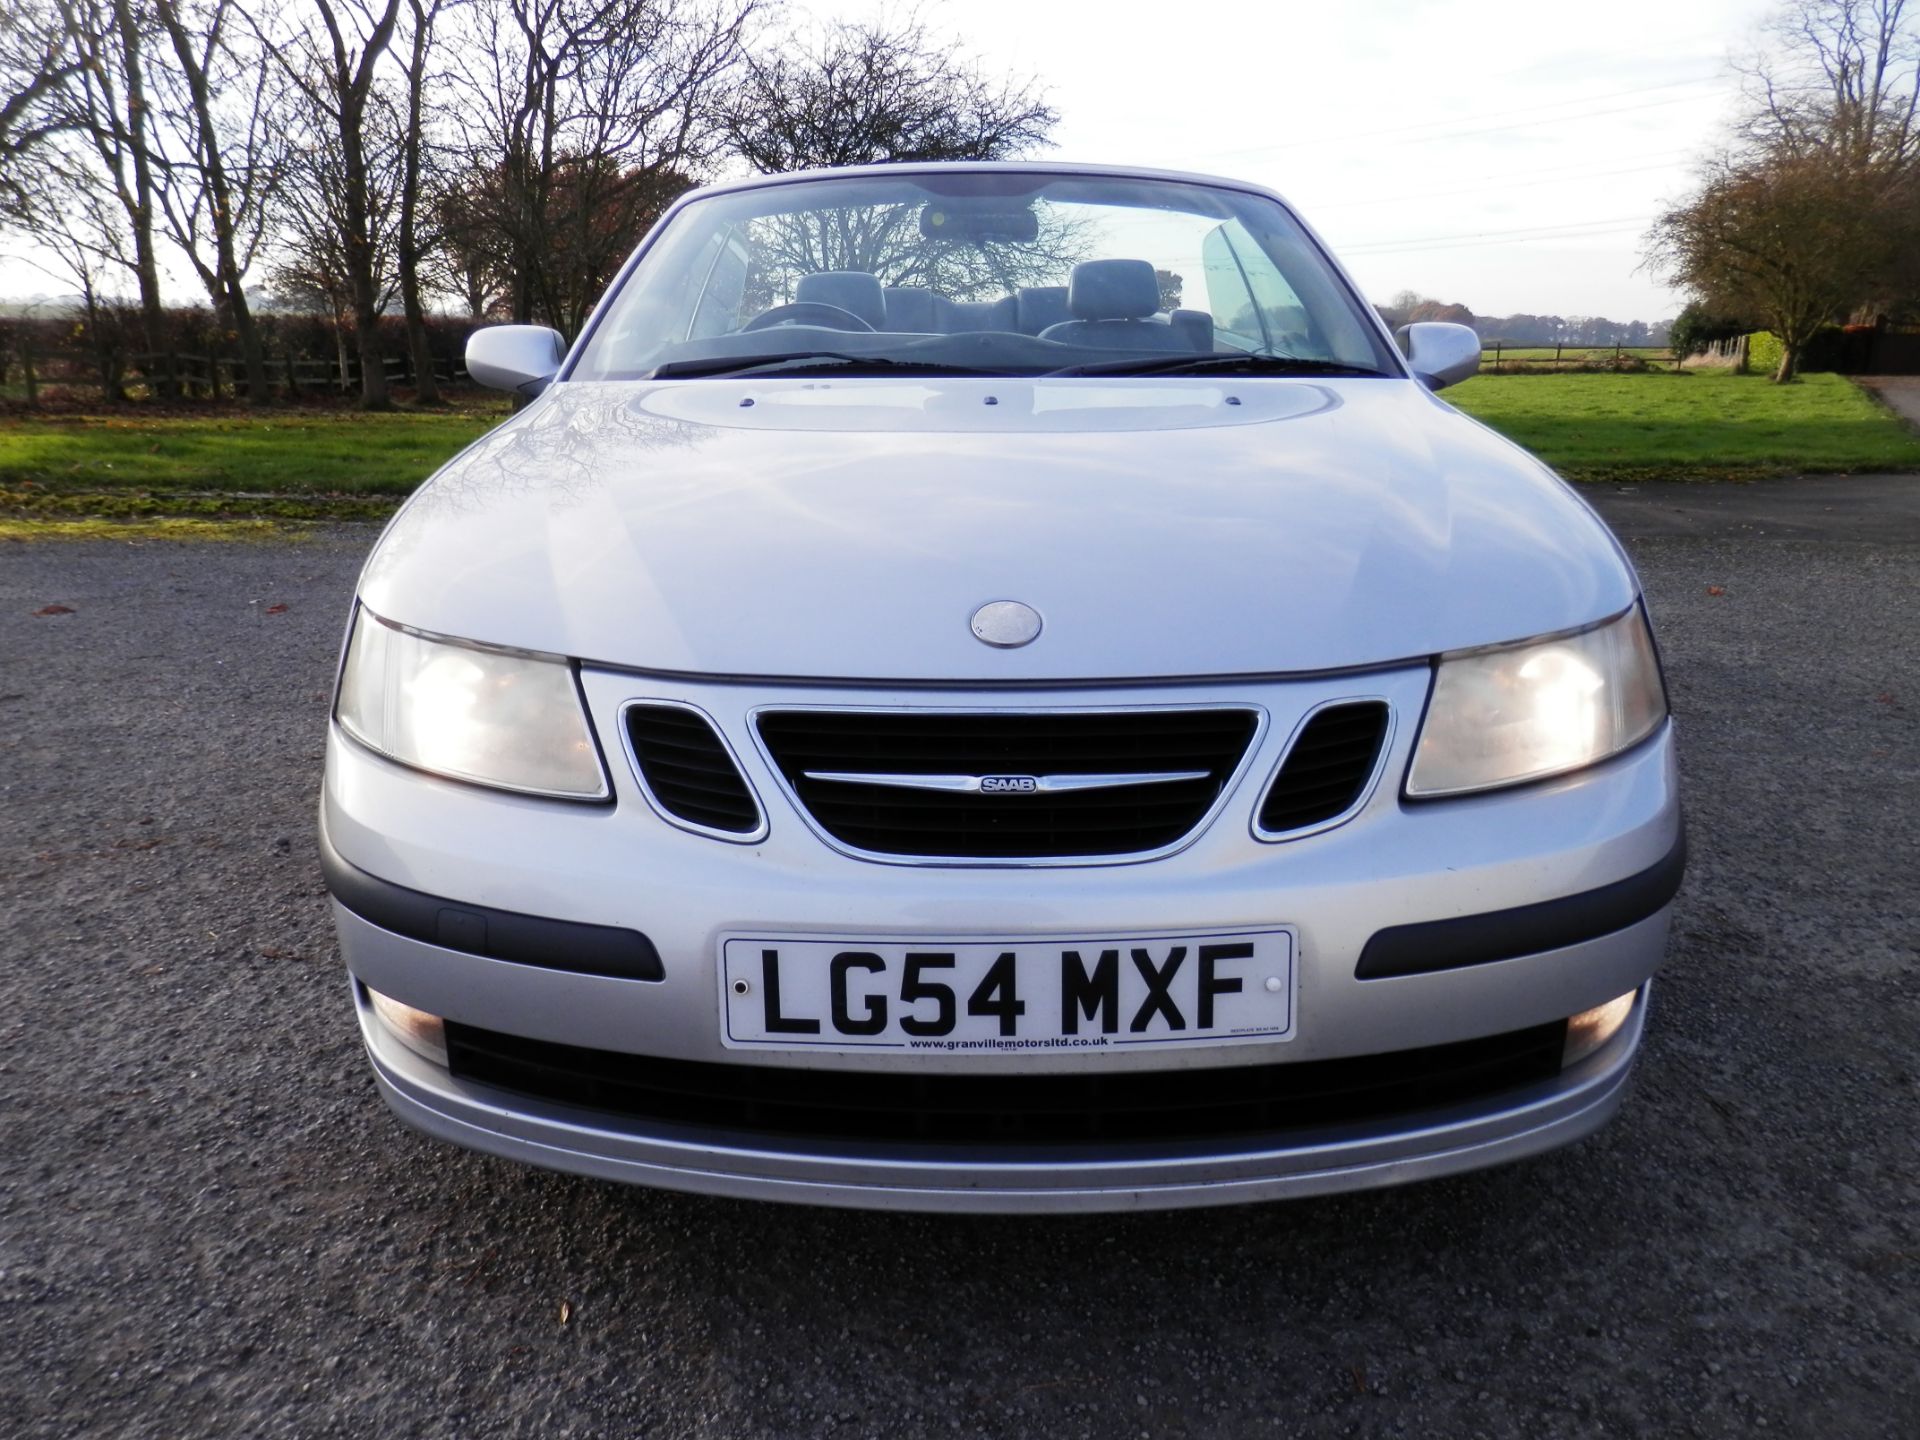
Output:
(209, 1224)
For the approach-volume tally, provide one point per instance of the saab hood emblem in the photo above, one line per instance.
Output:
(1009, 785)
(1006, 624)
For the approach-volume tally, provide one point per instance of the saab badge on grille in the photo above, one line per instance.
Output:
(1009, 785)
(1006, 623)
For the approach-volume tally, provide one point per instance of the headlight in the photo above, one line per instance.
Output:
(490, 716)
(1499, 717)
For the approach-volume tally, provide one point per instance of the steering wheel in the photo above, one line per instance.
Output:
(808, 312)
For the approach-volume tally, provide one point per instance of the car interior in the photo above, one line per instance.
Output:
(1105, 304)
(1037, 276)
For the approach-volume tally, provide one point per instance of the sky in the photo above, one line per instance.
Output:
(1506, 156)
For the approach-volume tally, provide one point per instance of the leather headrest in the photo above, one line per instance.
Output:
(854, 291)
(1112, 290)
(1039, 306)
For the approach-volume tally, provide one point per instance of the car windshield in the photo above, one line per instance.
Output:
(982, 272)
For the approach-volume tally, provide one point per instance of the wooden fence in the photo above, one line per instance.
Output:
(28, 369)
(1495, 353)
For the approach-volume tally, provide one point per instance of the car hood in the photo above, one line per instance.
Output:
(849, 529)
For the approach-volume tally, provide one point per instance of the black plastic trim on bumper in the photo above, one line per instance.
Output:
(1527, 929)
(482, 930)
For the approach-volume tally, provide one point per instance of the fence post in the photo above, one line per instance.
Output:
(26, 369)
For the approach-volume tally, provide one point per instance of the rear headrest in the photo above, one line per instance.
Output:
(910, 308)
(852, 290)
(966, 317)
(1038, 306)
(1112, 290)
(1195, 327)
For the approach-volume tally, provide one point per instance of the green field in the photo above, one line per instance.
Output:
(317, 464)
(290, 463)
(1706, 424)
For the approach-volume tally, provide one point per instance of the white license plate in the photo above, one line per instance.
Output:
(1002, 995)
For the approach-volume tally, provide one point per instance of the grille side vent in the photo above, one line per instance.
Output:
(689, 770)
(1326, 771)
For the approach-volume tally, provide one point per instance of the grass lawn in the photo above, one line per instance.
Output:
(1701, 425)
(296, 463)
(299, 464)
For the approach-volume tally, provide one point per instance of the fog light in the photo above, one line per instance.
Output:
(420, 1032)
(1590, 1029)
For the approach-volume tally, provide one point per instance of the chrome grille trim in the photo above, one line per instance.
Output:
(1228, 789)
(974, 784)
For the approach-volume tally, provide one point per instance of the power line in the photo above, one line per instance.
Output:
(1492, 242)
(1506, 230)
(1495, 243)
(1512, 180)
(1536, 232)
(1530, 115)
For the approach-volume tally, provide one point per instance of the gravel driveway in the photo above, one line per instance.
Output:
(209, 1225)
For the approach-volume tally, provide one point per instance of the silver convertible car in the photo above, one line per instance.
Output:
(986, 687)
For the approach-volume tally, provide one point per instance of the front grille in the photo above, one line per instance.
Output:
(1122, 819)
(688, 769)
(1327, 769)
(1252, 1102)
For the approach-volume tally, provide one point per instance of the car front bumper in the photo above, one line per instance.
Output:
(1488, 866)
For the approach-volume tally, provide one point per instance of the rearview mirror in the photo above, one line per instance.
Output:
(520, 358)
(978, 223)
(1440, 354)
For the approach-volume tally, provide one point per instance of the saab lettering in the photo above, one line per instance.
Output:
(1008, 785)
(778, 1024)
(1211, 983)
(1159, 981)
(875, 1018)
(1095, 996)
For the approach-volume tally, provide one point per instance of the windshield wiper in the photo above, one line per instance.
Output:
(798, 361)
(1230, 364)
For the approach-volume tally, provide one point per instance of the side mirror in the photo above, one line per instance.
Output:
(1440, 354)
(520, 358)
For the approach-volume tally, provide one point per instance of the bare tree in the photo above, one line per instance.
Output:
(414, 239)
(863, 93)
(218, 103)
(1841, 80)
(37, 58)
(333, 61)
(1814, 210)
(578, 119)
(466, 261)
(76, 220)
(103, 103)
(314, 265)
